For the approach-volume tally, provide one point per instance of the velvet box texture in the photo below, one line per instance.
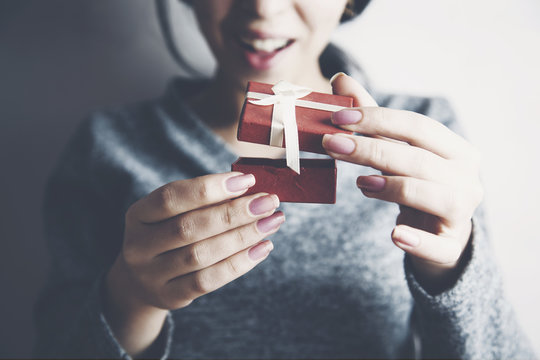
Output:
(316, 182)
(255, 120)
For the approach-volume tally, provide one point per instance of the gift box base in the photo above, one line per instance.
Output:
(316, 182)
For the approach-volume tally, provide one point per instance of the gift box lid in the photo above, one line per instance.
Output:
(256, 120)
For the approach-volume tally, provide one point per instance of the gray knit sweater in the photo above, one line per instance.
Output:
(334, 287)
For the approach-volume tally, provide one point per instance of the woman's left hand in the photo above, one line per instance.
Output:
(431, 172)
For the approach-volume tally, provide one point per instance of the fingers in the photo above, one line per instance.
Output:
(413, 128)
(345, 85)
(438, 239)
(388, 157)
(185, 195)
(203, 223)
(210, 251)
(433, 248)
(407, 126)
(182, 290)
(453, 205)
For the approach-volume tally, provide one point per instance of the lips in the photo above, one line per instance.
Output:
(263, 51)
(265, 45)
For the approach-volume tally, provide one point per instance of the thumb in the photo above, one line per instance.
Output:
(343, 84)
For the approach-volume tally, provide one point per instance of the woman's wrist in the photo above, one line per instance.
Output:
(136, 325)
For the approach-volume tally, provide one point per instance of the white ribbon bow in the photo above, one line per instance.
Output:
(285, 99)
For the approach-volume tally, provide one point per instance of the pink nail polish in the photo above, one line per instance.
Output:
(339, 144)
(371, 183)
(263, 204)
(239, 183)
(406, 237)
(336, 75)
(271, 223)
(346, 117)
(261, 250)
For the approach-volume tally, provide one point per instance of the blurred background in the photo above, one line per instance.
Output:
(61, 59)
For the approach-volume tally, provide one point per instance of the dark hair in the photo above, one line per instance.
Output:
(353, 9)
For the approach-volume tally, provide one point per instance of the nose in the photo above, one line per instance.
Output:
(265, 8)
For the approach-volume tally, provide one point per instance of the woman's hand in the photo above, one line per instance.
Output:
(432, 173)
(182, 241)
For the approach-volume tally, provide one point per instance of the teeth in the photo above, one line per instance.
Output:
(267, 45)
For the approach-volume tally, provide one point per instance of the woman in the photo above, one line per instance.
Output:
(148, 229)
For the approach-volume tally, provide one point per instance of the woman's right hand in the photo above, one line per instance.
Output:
(184, 240)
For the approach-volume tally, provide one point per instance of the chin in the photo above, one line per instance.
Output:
(273, 75)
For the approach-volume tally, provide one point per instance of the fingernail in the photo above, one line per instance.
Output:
(239, 183)
(263, 204)
(338, 144)
(336, 75)
(371, 183)
(406, 237)
(261, 250)
(271, 223)
(346, 117)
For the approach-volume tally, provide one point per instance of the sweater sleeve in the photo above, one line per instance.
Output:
(78, 328)
(472, 319)
(84, 230)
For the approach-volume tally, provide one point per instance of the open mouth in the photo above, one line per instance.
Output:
(268, 45)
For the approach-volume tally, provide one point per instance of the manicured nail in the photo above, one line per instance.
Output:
(346, 117)
(271, 223)
(263, 204)
(338, 144)
(371, 183)
(406, 237)
(239, 183)
(261, 250)
(336, 75)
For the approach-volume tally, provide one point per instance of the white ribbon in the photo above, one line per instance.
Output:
(285, 99)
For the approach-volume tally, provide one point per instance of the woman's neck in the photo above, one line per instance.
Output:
(220, 104)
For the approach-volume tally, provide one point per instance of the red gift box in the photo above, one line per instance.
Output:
(256, 120)
(316, 182)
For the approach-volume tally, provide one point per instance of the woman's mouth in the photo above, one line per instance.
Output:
(265, 45)
(263, 53)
